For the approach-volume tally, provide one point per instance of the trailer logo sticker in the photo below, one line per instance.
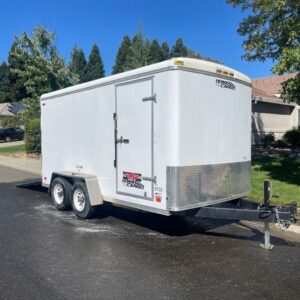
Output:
(225, 84)
(134, 180)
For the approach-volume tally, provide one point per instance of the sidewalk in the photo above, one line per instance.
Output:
(29, 165)
(11, 144)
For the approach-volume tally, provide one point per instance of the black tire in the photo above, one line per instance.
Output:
(8, 139)
(66, 190)
(82, 211)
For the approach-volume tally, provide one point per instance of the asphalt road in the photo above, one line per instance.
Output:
(122, 254)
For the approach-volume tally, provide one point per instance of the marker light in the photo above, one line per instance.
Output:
(179, 63)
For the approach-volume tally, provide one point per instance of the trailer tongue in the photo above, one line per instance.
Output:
(247, 210)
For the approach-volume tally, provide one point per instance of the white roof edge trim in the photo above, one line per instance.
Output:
(190, 63)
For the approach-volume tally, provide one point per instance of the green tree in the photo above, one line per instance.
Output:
(179, 49)
(141, 52)
(4, 83)
(17, 84)
(155, 53)
(78, 63)
(42, 70)
(193, 54)
(272, 31)
(165, 51)
(94, 67)
(198, 55)
(138, 52)
(121, 57)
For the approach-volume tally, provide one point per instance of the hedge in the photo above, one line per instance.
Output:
(33, 136)
(292, 137)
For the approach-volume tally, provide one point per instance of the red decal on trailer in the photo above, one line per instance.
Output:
(132, 179)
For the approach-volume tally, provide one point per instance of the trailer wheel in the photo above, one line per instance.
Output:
(81, 201)
(61, 191)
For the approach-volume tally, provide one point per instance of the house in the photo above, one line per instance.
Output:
(10, 109)
(269, 112)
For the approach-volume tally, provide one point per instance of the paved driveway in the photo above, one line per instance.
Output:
(122, 254)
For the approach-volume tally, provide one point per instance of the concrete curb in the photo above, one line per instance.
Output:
(294, 228)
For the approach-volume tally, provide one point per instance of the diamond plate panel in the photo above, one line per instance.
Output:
(195, 186)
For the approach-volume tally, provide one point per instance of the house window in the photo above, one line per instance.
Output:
(299, 117)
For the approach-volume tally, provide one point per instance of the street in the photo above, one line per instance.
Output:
(124, 254)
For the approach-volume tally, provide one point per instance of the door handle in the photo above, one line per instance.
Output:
(153, 179)
(121, 140)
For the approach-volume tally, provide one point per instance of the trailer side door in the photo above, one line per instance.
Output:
(134, 138)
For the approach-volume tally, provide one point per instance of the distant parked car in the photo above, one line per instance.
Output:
(9, 134)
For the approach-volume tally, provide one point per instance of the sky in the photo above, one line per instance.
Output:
(206, 26)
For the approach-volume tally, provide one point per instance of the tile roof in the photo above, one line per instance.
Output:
(259, 93)
(269, 86)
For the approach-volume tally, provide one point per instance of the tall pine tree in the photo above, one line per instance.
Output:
(4, 83)
(94, 67)
(165, 51)
(193, 54)
(138, 52)
(155, 54)
(122, 56)
(179, 49)
(78, 63)
(17, 83)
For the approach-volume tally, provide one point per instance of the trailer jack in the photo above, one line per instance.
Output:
(248, 210)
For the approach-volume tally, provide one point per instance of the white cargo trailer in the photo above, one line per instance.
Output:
(164, 138)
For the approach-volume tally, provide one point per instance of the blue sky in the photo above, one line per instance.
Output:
(205, 26)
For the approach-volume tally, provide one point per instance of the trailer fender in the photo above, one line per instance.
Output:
(91, 181)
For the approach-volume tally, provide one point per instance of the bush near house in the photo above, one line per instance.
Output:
(10, 122)
(268, 139)
(292, 137)
(33, 136)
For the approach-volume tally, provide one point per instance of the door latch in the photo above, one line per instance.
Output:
(152, 98)
(153, 179)
(121, 140)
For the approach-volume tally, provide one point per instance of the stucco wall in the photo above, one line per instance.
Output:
(269, 117)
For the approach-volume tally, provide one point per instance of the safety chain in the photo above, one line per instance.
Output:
(282, 224)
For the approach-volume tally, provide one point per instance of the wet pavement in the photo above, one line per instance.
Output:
(124, 254)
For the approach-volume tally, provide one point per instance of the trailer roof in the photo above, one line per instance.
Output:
(181, 63)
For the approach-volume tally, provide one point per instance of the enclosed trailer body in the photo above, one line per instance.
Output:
(164, 138)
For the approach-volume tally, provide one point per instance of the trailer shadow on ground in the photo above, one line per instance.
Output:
(184, 226)
(179, 226)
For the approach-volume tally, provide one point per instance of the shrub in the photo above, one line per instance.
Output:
(33, 136)
(10, 122)
(280, 144)
(268, 139)
(292, 137)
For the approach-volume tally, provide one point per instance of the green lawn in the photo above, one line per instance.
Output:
(283, 172)
(12, 149)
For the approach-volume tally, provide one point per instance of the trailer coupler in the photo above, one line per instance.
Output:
(247, 210)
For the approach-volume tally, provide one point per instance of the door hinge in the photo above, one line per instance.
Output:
(115, 163)
(152, 98)
(114, 116)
